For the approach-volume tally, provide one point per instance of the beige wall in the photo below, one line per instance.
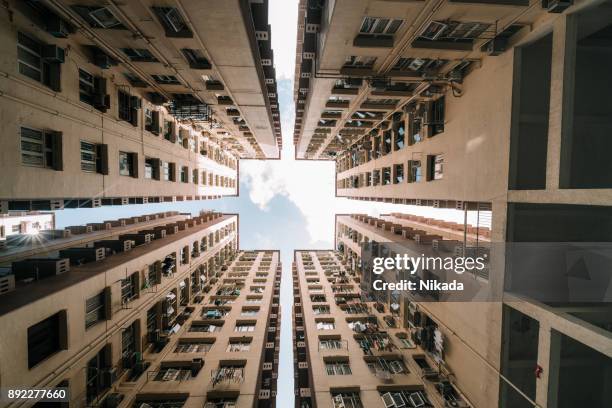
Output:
(84, 343)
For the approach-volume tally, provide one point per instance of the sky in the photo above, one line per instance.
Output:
(284, 204)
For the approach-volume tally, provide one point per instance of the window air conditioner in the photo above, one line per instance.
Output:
(556, 6)
(53, 53)
(57, 27)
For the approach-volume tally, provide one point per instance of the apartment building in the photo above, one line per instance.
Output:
(30, 223)
(452, 103)
(161, 310)
(489, 108)
(354, 352)
(109, 103)
(509, 351)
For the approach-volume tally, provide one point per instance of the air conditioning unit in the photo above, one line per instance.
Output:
(113, 400)
(102, 60)
(135, 102)
(53, 53)
(495, 47)
(7, 283)
(57, 27)
(40, 268)
(196, 366)
(109, 376)
(79, 256)
(101, 101)
(556, 6)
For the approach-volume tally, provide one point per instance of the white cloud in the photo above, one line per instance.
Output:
(310, 185)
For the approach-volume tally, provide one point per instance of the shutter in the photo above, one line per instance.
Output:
(134, 108)
(155, 123)
(172, 171)
(55, 82)
(134, 117)
(108, 309)
(137, 334)
(63, 330)
(102, 167)
(136, 283)
(108, 355)
(101, 98)
(430, 167)
(158, 272)
(56, 143)
(157, 169)
(173, 132)
(134, 164)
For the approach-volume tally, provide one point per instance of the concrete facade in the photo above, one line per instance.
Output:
(132, 100)
(477, 335)
(182, 318)
(489, 108)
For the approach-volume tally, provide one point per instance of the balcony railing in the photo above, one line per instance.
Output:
(227, 375)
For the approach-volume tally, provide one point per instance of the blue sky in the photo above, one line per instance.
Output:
(284, 204)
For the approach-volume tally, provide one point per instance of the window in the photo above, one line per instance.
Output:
(453, 31)
(196, 59)
(317, 298)
(86, 86)
(435, 167)
(399, 133)
(152, 168)
(40, 62)
(166, 79)
(195, 176)
(95, 309)
(193, 346)
(152, 322)
(226, 402)
(128, 289)
(139, 54)
(204, 327)
(376, 177)
(184, 174)
(398, 173)
(238, 346)
(330, 344)
(128, 164)
(152, 121)
(390, 366)
(346, 400)
(338, 368)
(128, 107)
(46, 338)
(404, 398)
(386, 173)
(169, 170)
(169, 131)
(414, 171)
(163, 402)
(386, 146)
(244, 327)
(354, 61)
(99, 17)
(173, 22)
(378, 26)
(89, 157)
(325, 325)
(41, 148)
(320, 309)
(94, 157)
(437, 116)
(128, 345)
(178, 373)
(249, 312)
